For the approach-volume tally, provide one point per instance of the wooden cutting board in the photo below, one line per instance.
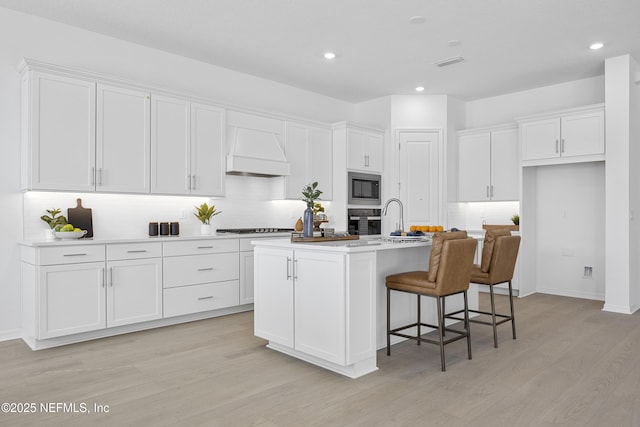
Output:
(81, 217)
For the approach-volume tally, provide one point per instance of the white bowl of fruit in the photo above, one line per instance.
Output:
(68, 231)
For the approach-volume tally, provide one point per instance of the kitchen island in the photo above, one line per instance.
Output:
(325, 303)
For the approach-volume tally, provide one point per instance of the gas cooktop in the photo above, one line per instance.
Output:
(254, 230)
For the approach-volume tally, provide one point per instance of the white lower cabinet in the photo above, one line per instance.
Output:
(71, 299)
(200, 275)
(313, 305)
(246, 271)
(134, 291)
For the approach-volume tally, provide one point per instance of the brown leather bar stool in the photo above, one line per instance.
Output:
(499, 255)
(449, 273)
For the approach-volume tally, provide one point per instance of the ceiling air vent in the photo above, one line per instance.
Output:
(448, 61)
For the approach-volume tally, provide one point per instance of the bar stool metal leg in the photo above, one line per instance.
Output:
(441, 332)
(513, 318)
(418, 321)
(467, 324)
(388, 322)
(493, 317)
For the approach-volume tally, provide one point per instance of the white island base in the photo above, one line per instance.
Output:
(325, 303)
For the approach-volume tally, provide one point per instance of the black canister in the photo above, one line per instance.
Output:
(164, 228)
(153, 229)
(174, 228)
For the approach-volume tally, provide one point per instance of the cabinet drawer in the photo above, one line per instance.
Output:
(197, 298)
(134, 251)
(70, 254)
(196, 269)
(195, 247)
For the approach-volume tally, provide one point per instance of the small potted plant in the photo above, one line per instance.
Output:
(204, 213)
(515, 219)
(54, 220)
(311, 194)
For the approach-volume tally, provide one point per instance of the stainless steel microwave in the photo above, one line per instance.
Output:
(364, 189)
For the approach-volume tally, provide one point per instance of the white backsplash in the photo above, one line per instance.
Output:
(248, 203)
(471, 215)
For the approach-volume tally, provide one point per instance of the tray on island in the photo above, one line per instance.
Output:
(322, 239)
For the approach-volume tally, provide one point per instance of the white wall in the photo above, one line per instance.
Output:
(505, 108)
(570, 229)
(634, 178)
(248, 199)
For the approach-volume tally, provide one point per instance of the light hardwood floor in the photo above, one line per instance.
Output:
(572, 365)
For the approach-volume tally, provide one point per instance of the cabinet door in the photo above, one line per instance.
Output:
(320, 305)
(540, 139)
(297, 148)
(60, 154)
(273, 295)
(355, 150)
(246, 277)
(123, 141)
(71, 299)
(583, 134)
(474, 167)
(207, 150)
(321, 161)
(170, 168)
(373, 152)
(505, 165)
(134, 291)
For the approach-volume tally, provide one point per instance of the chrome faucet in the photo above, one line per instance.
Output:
(386, 205)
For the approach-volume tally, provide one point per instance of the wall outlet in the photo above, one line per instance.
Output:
(588, 272)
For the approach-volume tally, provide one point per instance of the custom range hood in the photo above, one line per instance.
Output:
(255, 152)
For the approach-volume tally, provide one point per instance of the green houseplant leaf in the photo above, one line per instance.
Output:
(53, 220)
(204, 212)
(310, 193)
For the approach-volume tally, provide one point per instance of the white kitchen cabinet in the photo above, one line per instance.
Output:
(123, 140)
(71, 299)
(568, 136)
(187, 147)
(170, 160)
(200, 275)
(133, 283)
(58, 132)
(300, 301)
(246, 271)
(488, 165)
(309, 152)
(364, 149)
(207, 150)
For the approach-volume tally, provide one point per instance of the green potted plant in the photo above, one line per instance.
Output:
(204, 213)
(54, 220)
(311, 193)
(515, 219)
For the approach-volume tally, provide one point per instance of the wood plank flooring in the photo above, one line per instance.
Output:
(572, 365)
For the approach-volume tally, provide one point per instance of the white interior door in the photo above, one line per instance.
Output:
(420, 177)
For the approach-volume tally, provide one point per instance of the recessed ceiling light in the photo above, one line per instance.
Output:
(453, 43)
(417, 20)
(419, 89)
(596, 46)
(329, 55)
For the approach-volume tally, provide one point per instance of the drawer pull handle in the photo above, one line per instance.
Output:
(206, 269)
(203, 298)
(205, 247)
(139, 251)
(74, 254)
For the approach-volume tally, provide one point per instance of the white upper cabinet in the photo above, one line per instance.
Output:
(207, 150)
(123, 141)
(170, 157)
(568, 136)
(58, 131)
(187, 147)
(488, 165)
(309, 152)
(364, 150)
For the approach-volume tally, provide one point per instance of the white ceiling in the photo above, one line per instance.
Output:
(508, 45)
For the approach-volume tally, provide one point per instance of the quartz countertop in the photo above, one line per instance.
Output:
(344, 246)
(148, 239)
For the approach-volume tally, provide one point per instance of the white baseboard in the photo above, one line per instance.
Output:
(10, 335)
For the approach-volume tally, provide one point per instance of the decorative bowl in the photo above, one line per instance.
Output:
(70, 234)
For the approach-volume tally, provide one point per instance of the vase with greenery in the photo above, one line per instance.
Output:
(204, 213)
(54, 220)
(310, 193)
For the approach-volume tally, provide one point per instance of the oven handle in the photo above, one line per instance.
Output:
(364, 217)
